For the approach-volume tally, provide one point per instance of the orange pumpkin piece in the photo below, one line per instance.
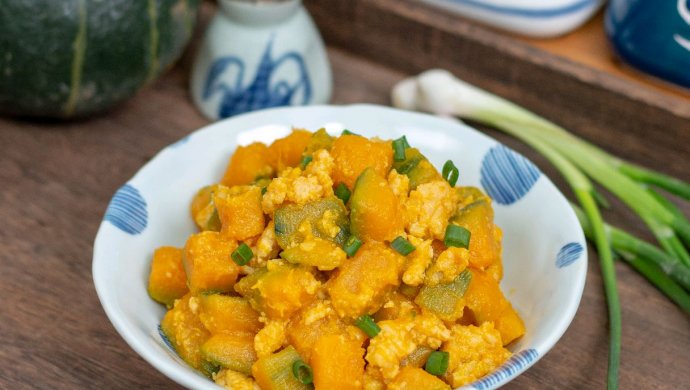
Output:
(203, 210)
(485, 242)
(184, 330)
(274, 372)
(228, 314)
(363, 282)
(167, 280)
(338, 363)
(239, 209)
(207, 263)
(287, 151)
(279, 290)
(510, 325)
(247, 164)
(374, 213)
(412, 378)
(352, 154)
(484, 298)
(235, 352)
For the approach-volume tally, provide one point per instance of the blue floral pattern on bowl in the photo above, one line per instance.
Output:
(265, 91)
(506, 175)
(127, 210)
(569, 254)
(515, 364)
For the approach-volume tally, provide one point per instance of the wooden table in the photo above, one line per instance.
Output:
(57, 179)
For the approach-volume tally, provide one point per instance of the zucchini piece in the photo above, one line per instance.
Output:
(327, 217)
(274, 372)
(446, 300)
(417, 168)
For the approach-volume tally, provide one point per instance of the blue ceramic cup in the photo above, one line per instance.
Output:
(653, 36)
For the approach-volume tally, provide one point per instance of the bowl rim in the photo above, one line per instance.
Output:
(171, 368)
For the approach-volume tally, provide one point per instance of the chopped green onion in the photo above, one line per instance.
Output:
(402, 246)
(450, 173)
(348, 132)
(437, 363)
(399, 146)
(352, 245)
(342, 192)
(242, 254)
(263, 190)
(457, 236)
(367, 324)
(305, 161)
(302, 372)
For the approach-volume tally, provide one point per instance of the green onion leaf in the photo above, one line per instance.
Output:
(450, 173)
(437, 363)
(242, 254)
(399, 146)
(352, 245)
(305, 161)
(367, 324)
(342, 192)
(457, 236)
(402, 246)
(263, 190)
(348, 132)
(302, 372)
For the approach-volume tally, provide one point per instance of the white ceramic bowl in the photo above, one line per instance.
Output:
(535, 18)
(544, 258)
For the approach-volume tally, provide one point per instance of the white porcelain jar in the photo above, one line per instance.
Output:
(257, 55)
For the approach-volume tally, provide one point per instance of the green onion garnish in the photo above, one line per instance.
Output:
(450, 173)
(352, 245)
(263, 190)
(399, 146)
(437, 363)
(342, 192)
(302, 372)
(305, 161)
(242, 254)
(348, 132)
(367, 324)
(402, 246)
(457, 236)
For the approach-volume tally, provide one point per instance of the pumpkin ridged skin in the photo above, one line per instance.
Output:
(49, 47)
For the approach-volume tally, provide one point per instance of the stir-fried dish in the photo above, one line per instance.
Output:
(337, 263)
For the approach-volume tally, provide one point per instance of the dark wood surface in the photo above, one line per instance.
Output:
(56, 180)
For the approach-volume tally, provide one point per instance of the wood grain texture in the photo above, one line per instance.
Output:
(57, 179)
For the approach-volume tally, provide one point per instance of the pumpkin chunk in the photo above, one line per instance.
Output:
(184, 330)
(167, 280)
(247, 164)
(239, 209)
(338, 363)
(375, 215)
(207, 263)
(353, 154)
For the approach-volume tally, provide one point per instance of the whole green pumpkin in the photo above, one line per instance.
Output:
(67, 58)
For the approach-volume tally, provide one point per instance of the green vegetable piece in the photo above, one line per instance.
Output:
(399, 146)
(348, 132)
(352, 245)
(319, 140)
(437, 363)
(305, 161)
(368, 325)
(302, 372)
(457, 236)
(242, 255)
(342, 192)
(417, 168)
(450, 172)
(289, 218)
(445, 300)
(402, 246)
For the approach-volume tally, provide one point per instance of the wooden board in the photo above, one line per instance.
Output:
(57, 179)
